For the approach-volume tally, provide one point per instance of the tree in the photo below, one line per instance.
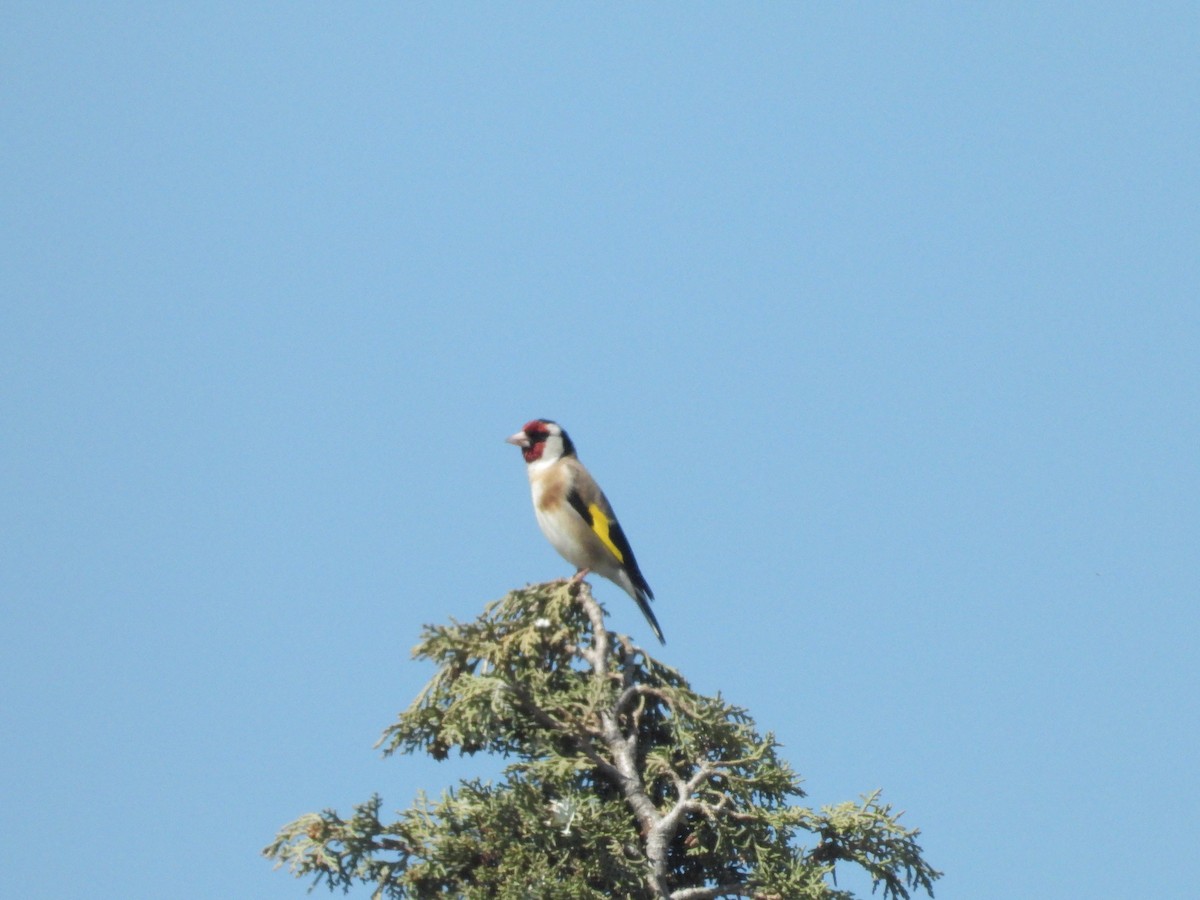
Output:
(624, 782)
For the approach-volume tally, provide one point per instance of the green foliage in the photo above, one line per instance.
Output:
(622, 782)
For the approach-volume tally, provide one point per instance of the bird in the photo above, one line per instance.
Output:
(576, 517)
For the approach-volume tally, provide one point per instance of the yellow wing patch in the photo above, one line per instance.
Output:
(600, 526)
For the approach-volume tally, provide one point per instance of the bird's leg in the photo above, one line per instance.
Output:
(579, 576)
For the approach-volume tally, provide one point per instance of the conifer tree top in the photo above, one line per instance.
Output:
(623, 781)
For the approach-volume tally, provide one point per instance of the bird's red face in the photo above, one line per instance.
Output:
(531, 439)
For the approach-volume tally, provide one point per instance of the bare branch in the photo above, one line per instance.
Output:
(711, 893)
(641, 690)
(624, 749)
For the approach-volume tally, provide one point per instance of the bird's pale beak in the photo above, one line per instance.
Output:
(521, 439)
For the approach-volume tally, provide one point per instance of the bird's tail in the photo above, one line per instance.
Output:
(634, 584)
(643, 601)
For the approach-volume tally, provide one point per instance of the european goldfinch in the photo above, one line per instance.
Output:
(575, 515)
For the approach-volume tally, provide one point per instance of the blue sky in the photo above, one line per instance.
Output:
(878, 324)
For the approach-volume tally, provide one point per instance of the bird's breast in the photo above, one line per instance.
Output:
(562, 526)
